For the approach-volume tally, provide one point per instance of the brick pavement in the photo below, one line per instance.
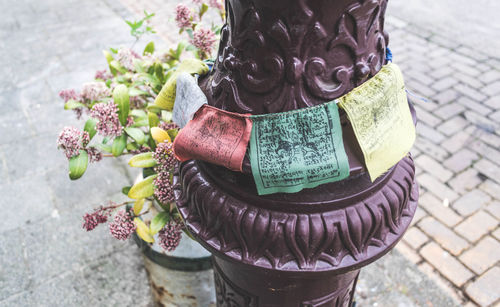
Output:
(454, 237)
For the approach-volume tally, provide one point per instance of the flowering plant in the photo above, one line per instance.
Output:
(122, 118)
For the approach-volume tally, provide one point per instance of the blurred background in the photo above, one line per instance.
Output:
(449, 53)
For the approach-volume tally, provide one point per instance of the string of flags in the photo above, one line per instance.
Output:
(299, 149)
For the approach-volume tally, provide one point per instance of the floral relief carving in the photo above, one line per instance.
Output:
(292, 241)
(271, 63)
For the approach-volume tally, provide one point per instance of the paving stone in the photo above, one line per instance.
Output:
(415, 238)
(14, 272)
(493, 102)
(481, 122)
(111, 283)
(496, 233)
(492, 88)
(476, 226)
(449, 110)
(438, 188)
(471, 202)
(482, 256)
(453, 125)
(15, 127)
(495, 116)
(419, 214)
(470, 92)
(460, 160)
(408, 252)
(474, 105)
(490, 187)
(489, 76)
(489, 169)
(444, 83)
(433, 167)
(465, 181)
(446, 264)
(484, 290)
(440, 282)
(429, 133)
(494, 209)
(32, 201)
(438, 210)
(429, 148)
(443, 235)
(442, 71)
(446, 97)
(457, 141)
(426, 117)
(469, 80)
(485, 150)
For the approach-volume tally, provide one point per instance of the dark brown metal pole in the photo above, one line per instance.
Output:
(302, 249)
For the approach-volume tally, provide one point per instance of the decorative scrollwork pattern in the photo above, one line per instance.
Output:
(285, 55)
(321, 240)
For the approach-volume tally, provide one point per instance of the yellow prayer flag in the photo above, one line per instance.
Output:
(381, 119)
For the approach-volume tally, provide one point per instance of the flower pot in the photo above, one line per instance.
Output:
(183, 277)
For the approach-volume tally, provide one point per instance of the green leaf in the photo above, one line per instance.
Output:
(138, 205)
(153, 108)
(104, 147)
(153, 120)
(159, 72)
(141, 122)
(143, 160)
(138, 113)
(109, 59)
(121, 98)
(117, 67)
(172, 133)
(119, 144)
(78, 165)
(125, 190)
(142, 230)
(136, 134)
(158, 222)
(90, 127)
(166, 115)
(203, 10)
(132, 146)
(73, 104)
(150, 48)
(143, 189)
(132, 92)
(180, 48)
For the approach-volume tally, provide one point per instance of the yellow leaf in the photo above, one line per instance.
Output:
(138, 206)
(160, 135)
(142, 230)
(143, 189)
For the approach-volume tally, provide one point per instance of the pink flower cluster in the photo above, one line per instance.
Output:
(204, 40)
(122, 226)
(170, 236)
(95, 91)
(69, 94)
(99, 216)
(106, 114)
(71, 141)
(103, 75)
(216, 4)
(183, 16)
(165, 159)
(126, 58)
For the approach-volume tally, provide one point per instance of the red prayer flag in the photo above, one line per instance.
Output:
(215, 136)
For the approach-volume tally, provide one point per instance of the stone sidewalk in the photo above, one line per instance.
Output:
(46, 259)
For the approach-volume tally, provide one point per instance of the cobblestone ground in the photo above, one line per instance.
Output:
(47, 260)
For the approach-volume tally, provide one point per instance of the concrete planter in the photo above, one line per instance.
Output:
(183, 277)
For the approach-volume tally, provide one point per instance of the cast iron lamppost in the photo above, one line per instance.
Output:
(306, 248)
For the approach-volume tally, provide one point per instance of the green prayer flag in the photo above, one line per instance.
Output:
(299, 149)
